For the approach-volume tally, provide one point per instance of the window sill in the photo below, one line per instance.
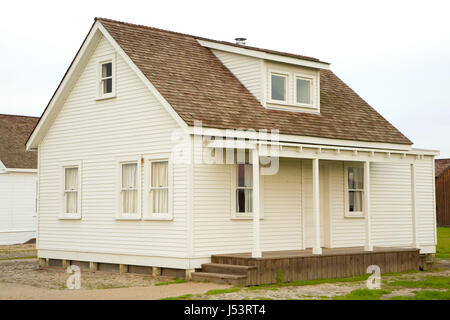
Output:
(160, 218)
(70, 217)
(354, 216)
(125, 218)
(237, 217)
(106, 97)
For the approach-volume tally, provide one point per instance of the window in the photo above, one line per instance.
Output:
(106, 78)
(71, 191)
(244, 188)
(106, 82)
(278, 87)
(158, 187)
(303, 90)
(354, 185)
(129, 188)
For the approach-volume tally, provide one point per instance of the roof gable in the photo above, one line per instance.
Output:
(199, 87)
(14, 132)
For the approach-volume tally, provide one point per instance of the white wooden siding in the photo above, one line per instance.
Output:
(216, 232)
(248, 70)
(391, 204)
(426, 223)
(17, 207)
(97, 132)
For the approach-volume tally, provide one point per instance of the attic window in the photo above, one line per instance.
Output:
(106, 77)
(303, 87)
(278, 87)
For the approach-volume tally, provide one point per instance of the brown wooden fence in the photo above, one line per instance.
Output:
(443, 199)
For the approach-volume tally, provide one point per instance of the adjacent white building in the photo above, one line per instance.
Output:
(127, 177)
(18, 180)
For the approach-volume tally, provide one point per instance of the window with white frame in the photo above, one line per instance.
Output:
(292, 90)
(129, 181)
(354, 189)
(244, 189)
(71, 191)
(106, 75)
(158, 187)
(278, 86)
(303, 90)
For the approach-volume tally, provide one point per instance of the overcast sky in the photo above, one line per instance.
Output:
(394, 54)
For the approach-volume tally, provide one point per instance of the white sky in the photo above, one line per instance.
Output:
(394, 54)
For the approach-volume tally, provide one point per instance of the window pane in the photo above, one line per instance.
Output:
(159, 176)
(159, 200)
(244, 201)
(71, 202)
(107, 70)
(303, 91)
(129, 201)
(71, 179)
(129, 172)
(355, 178)
(278, 87)
(107, 86)
(355, 201)
(245, 175)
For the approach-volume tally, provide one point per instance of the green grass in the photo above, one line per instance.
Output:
(429, 282)
(426, 295)
(183, 297)
(17, 258)
(443, 243)
(363, 294)
(170, 282)
(221, 291)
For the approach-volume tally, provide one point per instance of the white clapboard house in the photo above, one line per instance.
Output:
(168, 150)
(18, 180)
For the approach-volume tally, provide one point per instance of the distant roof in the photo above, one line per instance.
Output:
(199, 87)
(441, 165)
(14, 132)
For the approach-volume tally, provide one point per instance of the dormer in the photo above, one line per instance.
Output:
(278, 80)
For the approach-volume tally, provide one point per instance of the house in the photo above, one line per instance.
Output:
(165, 150)
(18, 180)
(443, 192)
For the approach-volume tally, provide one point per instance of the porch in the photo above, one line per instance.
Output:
(297, 265)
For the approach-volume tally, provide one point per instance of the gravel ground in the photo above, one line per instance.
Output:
(26, 272)
(17, 251)
(318, 291)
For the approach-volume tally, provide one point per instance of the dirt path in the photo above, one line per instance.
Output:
(14, 291)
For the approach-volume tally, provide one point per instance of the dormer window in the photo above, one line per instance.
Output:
(278, 85)
(303, 88)
(292, 88)
(106, 78)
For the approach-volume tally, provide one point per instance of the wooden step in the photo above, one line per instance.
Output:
(234, 279)
(227, 268)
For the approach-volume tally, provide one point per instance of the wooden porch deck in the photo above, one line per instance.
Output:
(295, 265)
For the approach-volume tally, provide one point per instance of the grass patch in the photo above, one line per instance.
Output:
(443, 243)
(221, 291)
(17, 258)
(363, 294)
(183, 297)
(170, 282)
(429, 282)
(426, 295)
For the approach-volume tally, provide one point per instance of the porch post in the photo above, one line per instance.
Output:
(415, 243)
(368, 246)
(256, 253)
(317, 249)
